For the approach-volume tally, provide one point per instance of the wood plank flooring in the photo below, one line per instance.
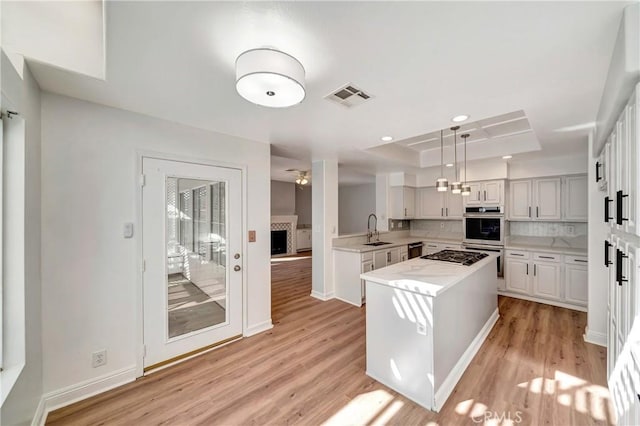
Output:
(533, 369)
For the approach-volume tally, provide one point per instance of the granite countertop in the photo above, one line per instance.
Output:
(565, 245)
(424, 276)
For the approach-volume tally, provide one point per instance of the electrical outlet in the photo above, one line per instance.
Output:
(99, 358)
(571, 230)
(441, 225)
(400, 224)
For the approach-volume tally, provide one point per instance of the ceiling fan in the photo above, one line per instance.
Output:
(303, 176)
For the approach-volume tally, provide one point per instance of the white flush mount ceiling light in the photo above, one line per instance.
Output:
(460, 118)
(506, 157)
(387, 138)
(270, 78)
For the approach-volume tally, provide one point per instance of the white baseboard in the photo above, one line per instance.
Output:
(322, 296)
(347, 301)
(595, 337)
(40, 415)
(258, 328)
(541, 300)
(61, 398)
(458, 370)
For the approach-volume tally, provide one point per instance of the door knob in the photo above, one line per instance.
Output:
(236, 268)
(236, 256)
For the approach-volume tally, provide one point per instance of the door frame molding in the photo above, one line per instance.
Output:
(138, 237)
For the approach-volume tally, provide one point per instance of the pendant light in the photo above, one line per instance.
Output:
(456, 186)
(466, 188)
(442, 184)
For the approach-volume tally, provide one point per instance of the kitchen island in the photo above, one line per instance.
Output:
(425, 321)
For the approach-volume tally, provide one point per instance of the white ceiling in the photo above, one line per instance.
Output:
(423, 63)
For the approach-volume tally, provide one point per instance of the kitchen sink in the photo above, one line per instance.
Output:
(377, 243)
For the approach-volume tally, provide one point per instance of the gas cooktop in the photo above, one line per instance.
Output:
(455, 256)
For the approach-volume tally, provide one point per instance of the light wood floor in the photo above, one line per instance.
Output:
(310, 369)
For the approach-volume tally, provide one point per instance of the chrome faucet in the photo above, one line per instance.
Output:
(375, 232)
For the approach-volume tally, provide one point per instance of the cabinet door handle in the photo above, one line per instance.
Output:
(446, 209)
(485, 195)
(598, 177)
(537, 211)
(441, 211)
(619, 277)
(619, 197)
(529, 211)
(581, 261)
(478, 195)
(534, 269)
(546, 257)
(607, 244)
(405, 211)
(388, 256)
(527, 269)
(516, 254)
(607, 200)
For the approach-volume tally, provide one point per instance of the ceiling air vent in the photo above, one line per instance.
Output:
(349, 96)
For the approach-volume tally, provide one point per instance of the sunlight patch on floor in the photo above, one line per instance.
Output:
(364, 408)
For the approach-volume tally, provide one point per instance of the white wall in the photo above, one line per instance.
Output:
(355, 203)
(283, 198)
(24, 95)
(303, 205)
(88, 192)
(555, 166)
(597, 274)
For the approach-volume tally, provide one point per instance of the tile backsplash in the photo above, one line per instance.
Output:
(548, 229)
(437, 228)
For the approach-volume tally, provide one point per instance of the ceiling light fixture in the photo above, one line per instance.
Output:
(460, 118)
(506, 157)
(466, 188)
(456, 186)
(442, 184)
(387, 138)
(270, 78)
(302, 178)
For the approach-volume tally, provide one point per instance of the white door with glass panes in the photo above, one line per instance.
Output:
(192, 252)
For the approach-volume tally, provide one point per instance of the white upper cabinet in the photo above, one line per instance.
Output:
(432, 204)
(453, 205)
(490, 193)
(547, 195)
(520, 200)
(429, 203)
(475, 198)
(630, 176)
(574, 194)
(403, 202)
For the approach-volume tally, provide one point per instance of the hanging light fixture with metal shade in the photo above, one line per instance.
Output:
(270, 78)
(456, 186)
(466, 188)
(302, 179)
(442, 184)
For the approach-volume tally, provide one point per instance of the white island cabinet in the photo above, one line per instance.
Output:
(425, 322)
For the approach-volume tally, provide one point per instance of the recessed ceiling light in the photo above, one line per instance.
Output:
(449, 164)
(506, 157)
(460, 118)
(387, 138)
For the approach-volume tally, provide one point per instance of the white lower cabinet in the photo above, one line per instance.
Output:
(347, 267)
(303, 239)
(547, 278)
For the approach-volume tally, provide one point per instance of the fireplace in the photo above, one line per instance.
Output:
(278, 242)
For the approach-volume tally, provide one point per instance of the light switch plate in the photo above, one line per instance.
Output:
(252, 236)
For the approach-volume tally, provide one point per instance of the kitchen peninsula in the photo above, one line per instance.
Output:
(426, 319)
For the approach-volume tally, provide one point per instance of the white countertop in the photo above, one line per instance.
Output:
(566, 245)
(395, 242)
(424, 276)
